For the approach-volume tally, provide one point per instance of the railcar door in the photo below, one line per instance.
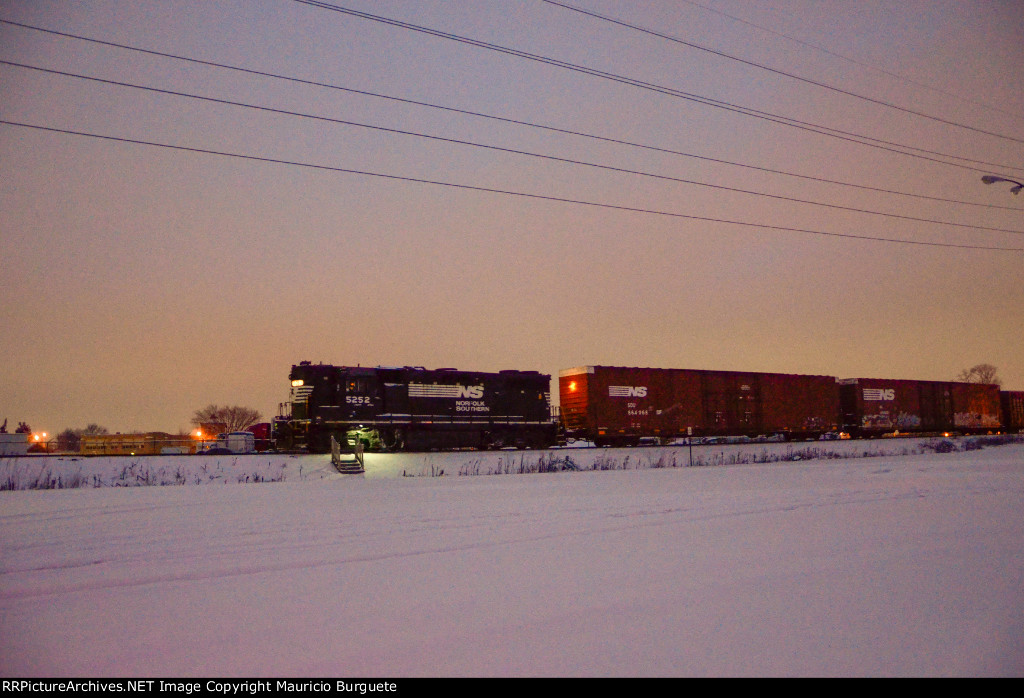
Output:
(936, 407)
(732, 403)
(745, 403)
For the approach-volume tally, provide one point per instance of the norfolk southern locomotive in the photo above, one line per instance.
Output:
(394, 409)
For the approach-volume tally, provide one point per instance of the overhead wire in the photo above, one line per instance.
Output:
(854, 61)
(890, 146)
(507, 192)
(513, 151)
(776, 71)
(546, 127)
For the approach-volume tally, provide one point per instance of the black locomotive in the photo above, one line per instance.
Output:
(413, 408)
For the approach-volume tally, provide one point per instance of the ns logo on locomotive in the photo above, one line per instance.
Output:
(414, 408)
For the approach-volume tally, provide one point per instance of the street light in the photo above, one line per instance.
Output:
(991, 179)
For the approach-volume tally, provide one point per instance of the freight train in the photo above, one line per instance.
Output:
(413, 408)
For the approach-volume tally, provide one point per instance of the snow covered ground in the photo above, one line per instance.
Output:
(886, 565)
(39, 472)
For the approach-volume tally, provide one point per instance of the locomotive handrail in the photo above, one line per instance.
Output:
(347, 466)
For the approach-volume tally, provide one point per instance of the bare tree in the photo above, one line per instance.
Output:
(231, 417)
(982, 373)
(68, 441)
(71, 439)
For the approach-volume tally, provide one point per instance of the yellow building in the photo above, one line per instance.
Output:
(148, 444)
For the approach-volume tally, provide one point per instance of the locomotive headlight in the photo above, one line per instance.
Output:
(572, 387)
(297, 383)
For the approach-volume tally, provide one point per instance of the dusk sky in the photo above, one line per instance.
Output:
(143, 282)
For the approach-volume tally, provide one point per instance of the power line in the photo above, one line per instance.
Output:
(793, 76)
(707, 101)
(512, 151)
(506, 192)
(862, 64)
(503, 119)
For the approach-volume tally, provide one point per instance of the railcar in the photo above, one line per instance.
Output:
(873, 406)
(615, 405)
(1012, 402)
(414, 408)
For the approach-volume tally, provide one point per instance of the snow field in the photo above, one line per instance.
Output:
(910, 565)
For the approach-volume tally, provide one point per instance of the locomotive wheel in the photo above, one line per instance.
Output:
(393, 439)
(495, 441)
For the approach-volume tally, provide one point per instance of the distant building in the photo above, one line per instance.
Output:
(148, 444)
(13, 444)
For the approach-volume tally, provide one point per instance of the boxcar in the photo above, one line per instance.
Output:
(613, 405)
(415, 408)
(262, 436)
(873, 406)
(1012, 402)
